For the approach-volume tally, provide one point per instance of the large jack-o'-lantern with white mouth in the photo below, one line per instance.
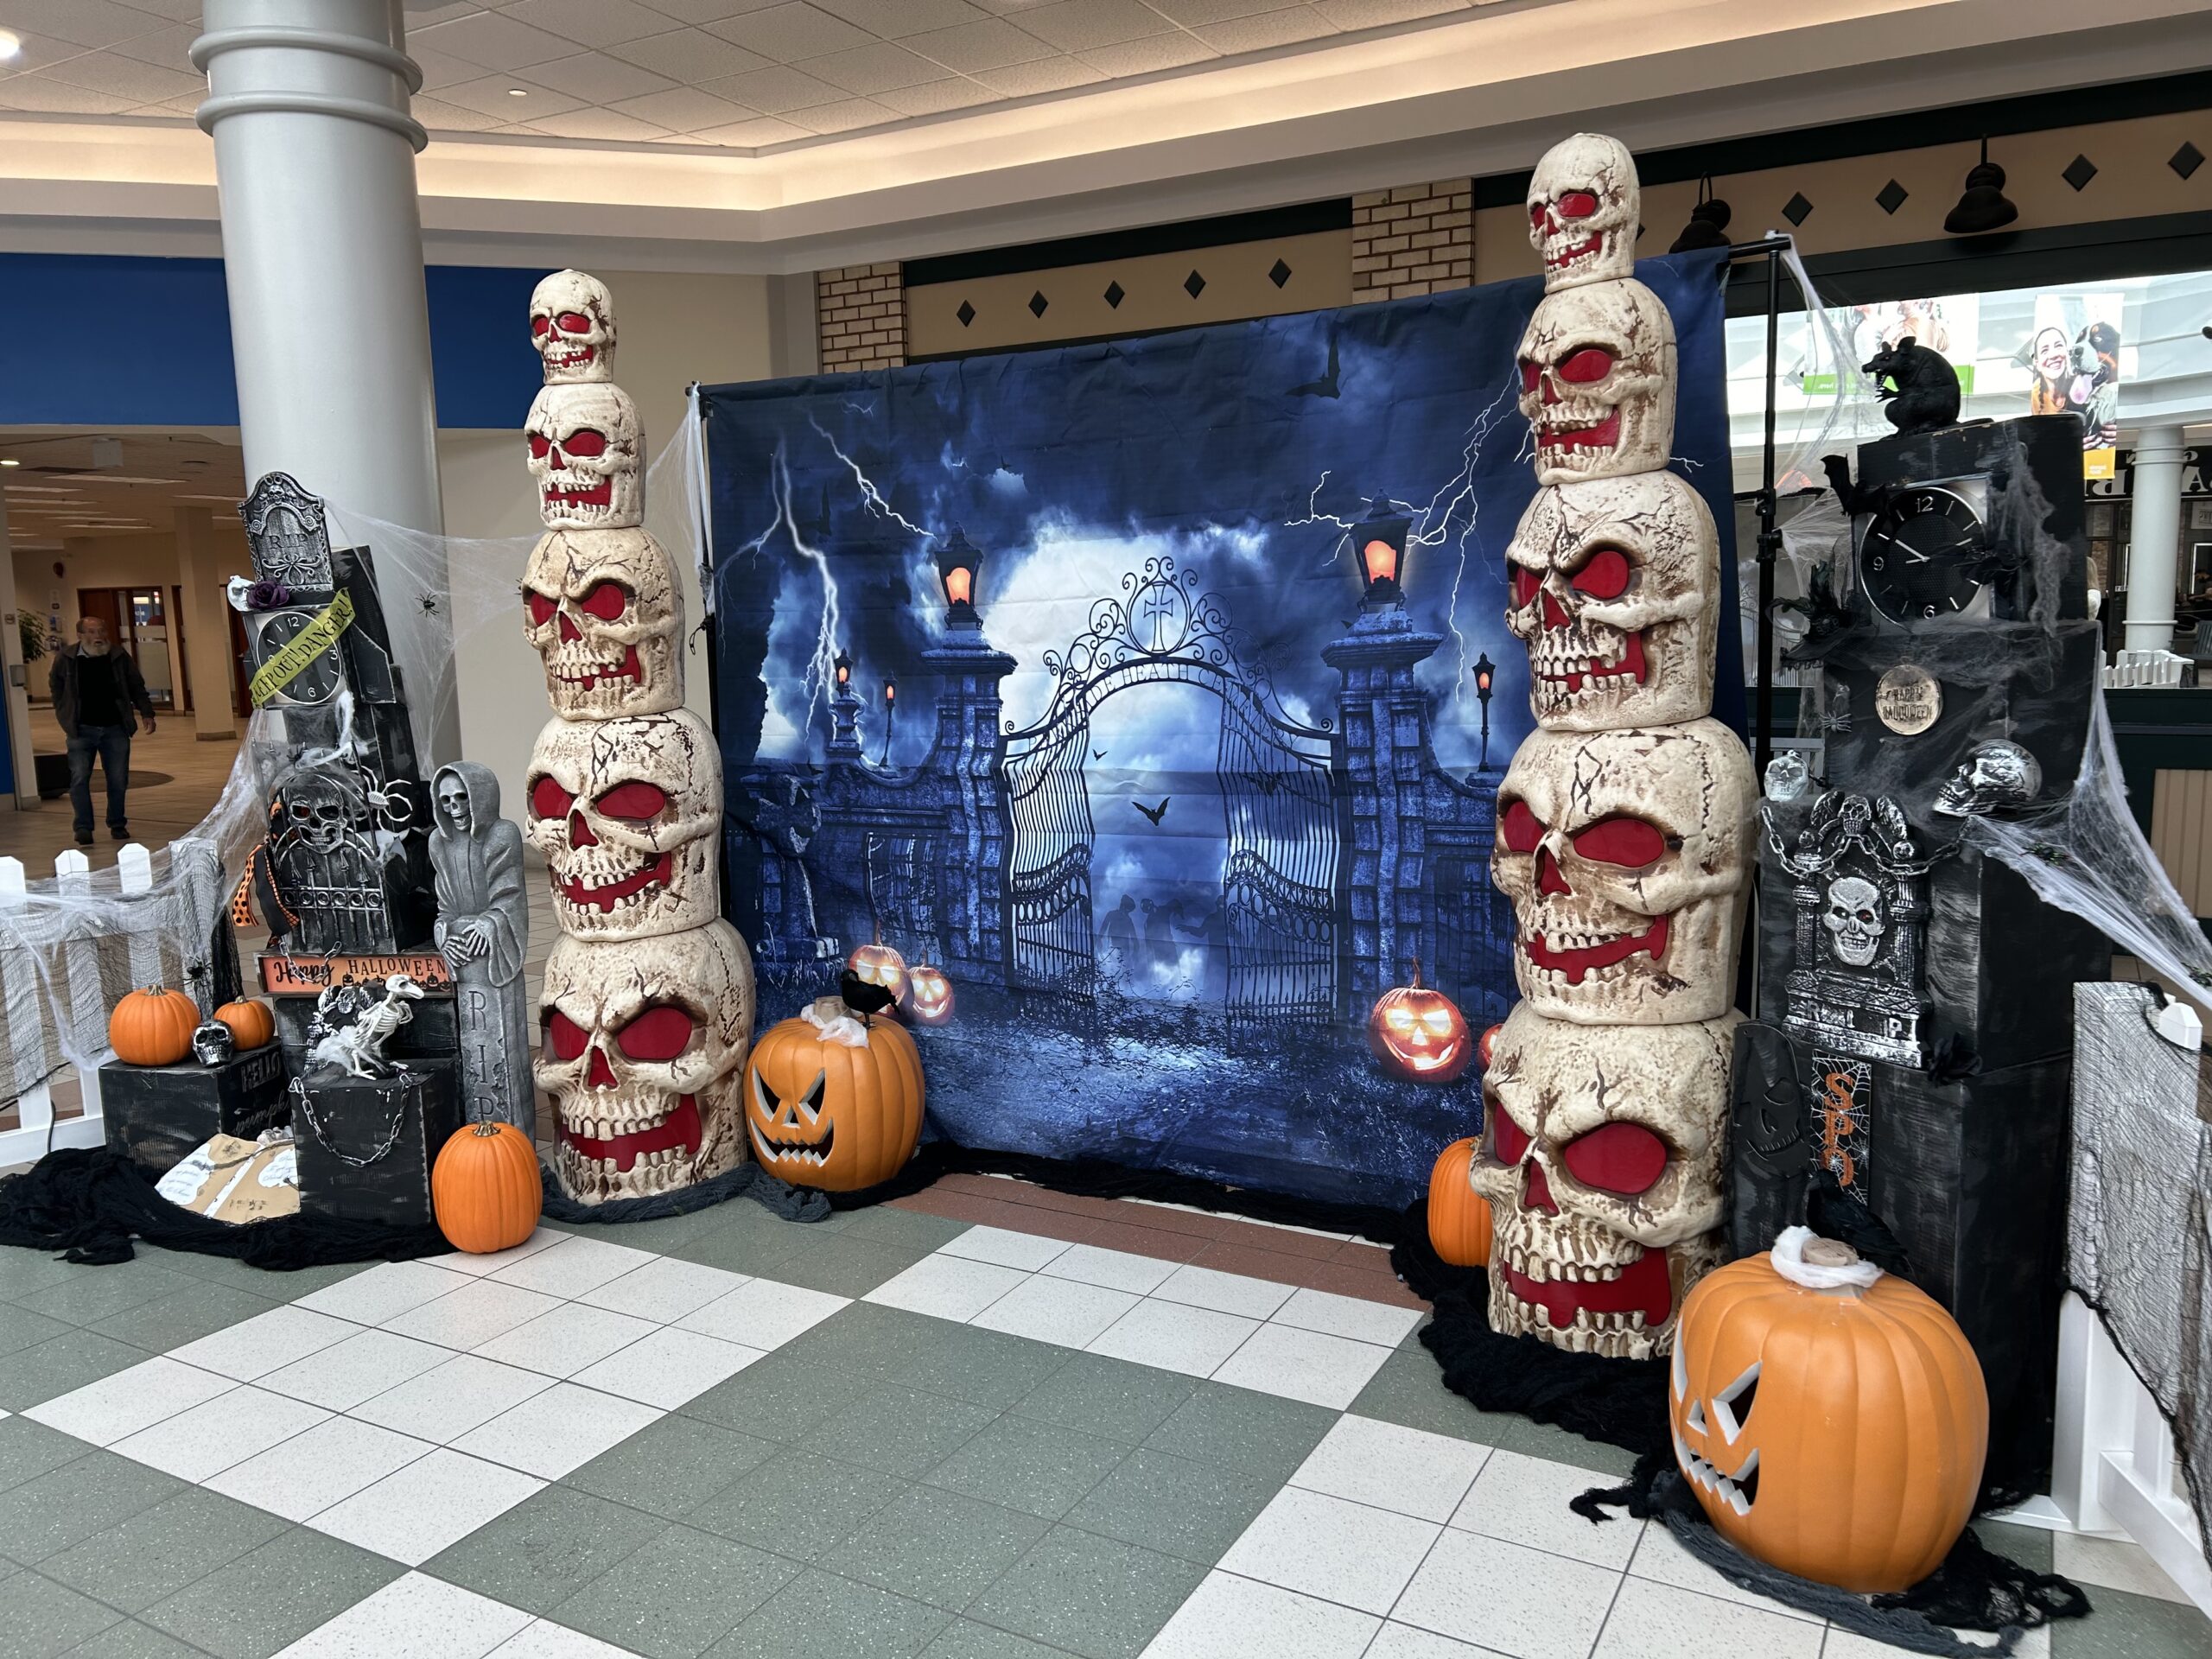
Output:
(833, 1098)
(602, 609)
(1584, 203)
(584, 452)
(1598, 382)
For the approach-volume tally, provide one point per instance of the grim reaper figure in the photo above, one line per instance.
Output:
(483, 931)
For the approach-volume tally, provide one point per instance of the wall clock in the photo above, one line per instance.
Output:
(1916, 561)
(315, 683)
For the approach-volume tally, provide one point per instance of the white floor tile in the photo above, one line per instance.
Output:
(254, 1348)
(345, 1374)
(478, 1266)
(1656, 1621)
(414, 1616)
(1192, 1340)
(1509, 1600)
(664, 1289)
(206, 1438)
(561, 1429)
(1661, 1559)
(1229, 1618)
(562, 1343)
(473, 1315)
(1348, 1316)
(543, 1639)
(764, 1314)
(949, 1286)
(1116, 1269)
(437, 1500)
(385, 1291)
(1326, 1547)
(1404, 1641)
(122, 1404)
(572, 1266)
(1056, 1310)
(1008, 1249)
(1393, 1468)
(2117, 1563)
(1844, 1644)
(668, 1367)
(310, 1472)
(1225, 1292)
(444, 1403)
(1524, 1500)
(1323, 1370)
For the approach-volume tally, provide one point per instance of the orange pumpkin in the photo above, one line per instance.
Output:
(1486, 1045)
(251, 1023)
(1419, 1033)
(485, 1189)
(929, 994)
(1833, 1429)
(1459, 1217)
(832, 1101)
(879, 964)
(153, 1027)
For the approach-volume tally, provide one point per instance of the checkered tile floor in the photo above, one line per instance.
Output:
(898, 1433)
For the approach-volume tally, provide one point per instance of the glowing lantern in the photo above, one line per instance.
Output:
(929, 994)
(1419, 1033)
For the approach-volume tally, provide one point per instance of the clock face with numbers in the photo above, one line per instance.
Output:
(1915, 561)
(316, 682)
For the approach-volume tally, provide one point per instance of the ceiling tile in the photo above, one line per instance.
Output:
(690, 55)
(421, 13)
(1009, 8)
(1073, 25)
(1147, 56)
(935, 97)
(711, 11)
(178, 11)
(141, 83)
(847, 115)
(80, 22)
(1190, 13)
(893, 18)
(597, 79)
(602, 125)
(991, 44)
(773, 91)
(1045, 75)
(1268, 29)
(490, 96)
(684, 109)
(442, 68)
(496, 43)
(1374, 14)
(873, 68)
(787, 32)
(595, 23)
(57, 98)
(41, 52)
(441, 117)
(171, 48)
(748, 135)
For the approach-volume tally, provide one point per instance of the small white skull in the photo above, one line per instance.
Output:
(643, 1050)
(1615, 589)
(603, 609)
(1583, 208)
(626, 812)
(584, 444)
(1626, 856)
(1855, 919)
(1598, 382)
(1601, 1158)
(572, 326)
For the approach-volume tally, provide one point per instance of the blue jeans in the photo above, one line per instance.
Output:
(112, 745)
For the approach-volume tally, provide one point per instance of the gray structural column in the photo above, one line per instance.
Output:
(323, 252)
(2154, 538)
(206, 623)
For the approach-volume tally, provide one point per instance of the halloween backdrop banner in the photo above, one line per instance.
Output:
(1131, 696)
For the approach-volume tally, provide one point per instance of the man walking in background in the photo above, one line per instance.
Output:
(97, 694)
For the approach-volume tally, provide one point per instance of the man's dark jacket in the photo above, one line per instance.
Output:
(129, 684)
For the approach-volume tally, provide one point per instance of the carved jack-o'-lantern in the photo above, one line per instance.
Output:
(1419, 1033)
(833, 1100)
(929, 994)
(1831, 1418)
(879, 964)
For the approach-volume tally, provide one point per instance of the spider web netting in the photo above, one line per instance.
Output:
(72, 944)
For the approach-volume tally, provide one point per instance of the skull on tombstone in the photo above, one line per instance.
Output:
(1614, 586)
(1601, 1160)
(572, 326)
(1998, 776)
(626, 811)
(1583, 208)
(1598, 382)
(584, 452)
(1624, 854)
(1855, 919)
(604, 611)
(643, 1043)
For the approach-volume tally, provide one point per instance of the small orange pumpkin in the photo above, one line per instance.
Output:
(831, 1102)
(1419, 1033)
(485, 1189)
(251, 1022)
(153, 1027)
(1486, 1045)
(879, 964)
(929, 994)
(1458, 1217)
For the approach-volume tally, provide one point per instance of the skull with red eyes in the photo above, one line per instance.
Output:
(1601, 1160)
(584, 442)
(626, 811)
(643, 1050)
(1614, 587)
(604, 612)
(572, 326)
(1625, 856)
(1598, 382)
(1582, 208)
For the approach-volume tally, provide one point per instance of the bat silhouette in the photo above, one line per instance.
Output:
(1098, 754)
(1155, 813)
(1327, 385)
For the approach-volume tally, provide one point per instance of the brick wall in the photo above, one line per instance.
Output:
(860, 315)
(1418, 239)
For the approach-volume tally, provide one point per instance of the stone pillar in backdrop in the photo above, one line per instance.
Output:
(2154, 539)
(206, 623)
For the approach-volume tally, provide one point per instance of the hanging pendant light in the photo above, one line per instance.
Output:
(1984, 206)
(1708, 225)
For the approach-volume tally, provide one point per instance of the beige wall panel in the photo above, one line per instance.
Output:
(2181, 834)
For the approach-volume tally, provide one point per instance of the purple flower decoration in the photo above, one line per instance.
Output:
(267, 595)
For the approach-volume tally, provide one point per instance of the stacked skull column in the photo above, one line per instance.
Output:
(648, 1001)
(1623, 821)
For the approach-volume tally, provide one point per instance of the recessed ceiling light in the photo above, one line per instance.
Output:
(9, 460)
(518, 91)
(11, 45)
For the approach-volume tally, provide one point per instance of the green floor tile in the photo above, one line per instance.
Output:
(913, 1229)
(157, 1552)
(1409, 1391)
(19, 1328)
(94, 1294)
(43, 1516)
(43, 1618)
(988, 1368)
(900, 1429)
(271, 1596)
(1259, 1432)
(535, 1554)
(1542, 1440)
(937, 1547)
(673, 1466)
(797, 1505)
(665, 1234)
(844, 1265)
(22, 1271)
(288, 1287)
(751, 1241)
(2030, 1546)
(1093, 1596)
(1177, 1505)
(784, 1397)
(2125, 1626)
(820, 1616)
(1040, 1469)
(678, 1596)
(1112, 1397)
(131, 1640)
(965, 1639)
(198, 1309)
(29, 1450)
(866, 1340)
(32, 1375)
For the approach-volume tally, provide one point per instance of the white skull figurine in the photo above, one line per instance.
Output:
(1598, 382)
(584, 442)
(626, 812)
(1855, 919)
(642, 1052)
(572, 326)
(1601, 1160)
(1626, 856)
(1615, 589)
(1583, 209)
(603, 609)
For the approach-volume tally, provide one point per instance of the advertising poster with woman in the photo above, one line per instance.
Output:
(2073, 361)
